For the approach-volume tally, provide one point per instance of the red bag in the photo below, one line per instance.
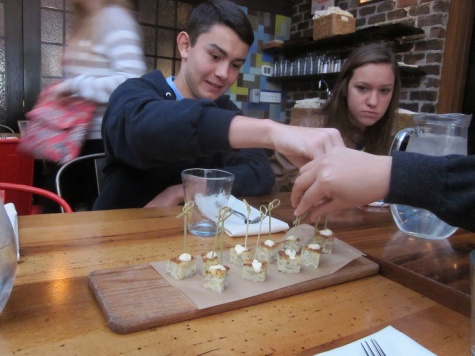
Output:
(58, 127)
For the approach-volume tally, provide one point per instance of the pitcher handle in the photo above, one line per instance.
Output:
(399, 139)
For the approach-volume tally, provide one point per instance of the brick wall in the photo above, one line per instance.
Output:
(418, 94)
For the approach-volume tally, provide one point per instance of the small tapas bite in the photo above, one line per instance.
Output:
(311, 255)
(185, 265)
(289, 261)
(324, 237)
(209, 259)
(267, 250)
(254, 270)
(291, 243)
(216, 278)
(181, 267)
(238, 254)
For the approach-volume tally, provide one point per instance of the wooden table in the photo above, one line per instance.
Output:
(52, 310)
(438, 269)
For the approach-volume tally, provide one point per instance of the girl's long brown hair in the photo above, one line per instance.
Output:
(376, 138)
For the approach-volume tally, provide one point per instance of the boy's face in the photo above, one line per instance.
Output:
(212, 65)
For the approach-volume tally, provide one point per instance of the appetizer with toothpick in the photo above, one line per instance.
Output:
(254, 269)
(216, 276)
(289, 261)
(209, 259)
(324, 237)
(267, 250)
(238, 254)
(311, 255)
(291, 243)
(183, 266)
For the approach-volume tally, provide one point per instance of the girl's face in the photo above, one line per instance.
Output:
(370, 90)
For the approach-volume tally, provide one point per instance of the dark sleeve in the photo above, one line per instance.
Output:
(142, 129)
(444, 185)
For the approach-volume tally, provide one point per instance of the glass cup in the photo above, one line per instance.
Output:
(210, 190)
(472, 297)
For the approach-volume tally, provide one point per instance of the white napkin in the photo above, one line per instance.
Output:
(13, 216)
(235, 226)
(392, 341)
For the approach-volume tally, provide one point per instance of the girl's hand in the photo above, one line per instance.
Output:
(340, 179)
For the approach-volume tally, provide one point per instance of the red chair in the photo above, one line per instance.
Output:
(34, 190)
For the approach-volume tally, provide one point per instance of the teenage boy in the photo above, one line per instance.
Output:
(155, 127)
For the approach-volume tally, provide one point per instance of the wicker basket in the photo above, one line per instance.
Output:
(331, 25)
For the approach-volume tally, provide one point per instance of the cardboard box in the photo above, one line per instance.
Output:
(333, 24)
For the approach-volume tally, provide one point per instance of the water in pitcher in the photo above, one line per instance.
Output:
(420, 222)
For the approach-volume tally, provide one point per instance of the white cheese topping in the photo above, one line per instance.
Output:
(185, 257)
(269, 243)
(326, 232)
(256, 265)
(215, 267)
(314, 246)
(291, 253)
(239, 249)
(211, 255)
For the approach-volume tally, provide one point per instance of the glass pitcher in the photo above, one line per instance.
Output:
(8, 257)
(434, 135)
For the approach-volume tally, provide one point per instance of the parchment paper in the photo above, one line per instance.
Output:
(240, 288)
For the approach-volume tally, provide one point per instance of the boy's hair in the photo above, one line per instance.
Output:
(219, 12)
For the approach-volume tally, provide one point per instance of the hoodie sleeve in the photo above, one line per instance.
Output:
(444, 185)
(144, 125)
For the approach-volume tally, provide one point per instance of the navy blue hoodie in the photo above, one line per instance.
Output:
(150, 137)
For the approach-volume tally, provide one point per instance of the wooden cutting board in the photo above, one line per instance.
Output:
(135, 298)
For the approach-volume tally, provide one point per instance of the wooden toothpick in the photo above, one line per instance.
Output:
(187, 210)
(223, 213)
(248, 207)
(263, 211)
(272, 205)
(316, 227)
(299, 218)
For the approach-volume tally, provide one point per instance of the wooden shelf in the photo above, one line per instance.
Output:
(398, 33)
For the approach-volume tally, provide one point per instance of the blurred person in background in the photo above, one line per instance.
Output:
(103, 50)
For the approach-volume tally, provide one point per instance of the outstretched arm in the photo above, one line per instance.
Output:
(299, 144)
